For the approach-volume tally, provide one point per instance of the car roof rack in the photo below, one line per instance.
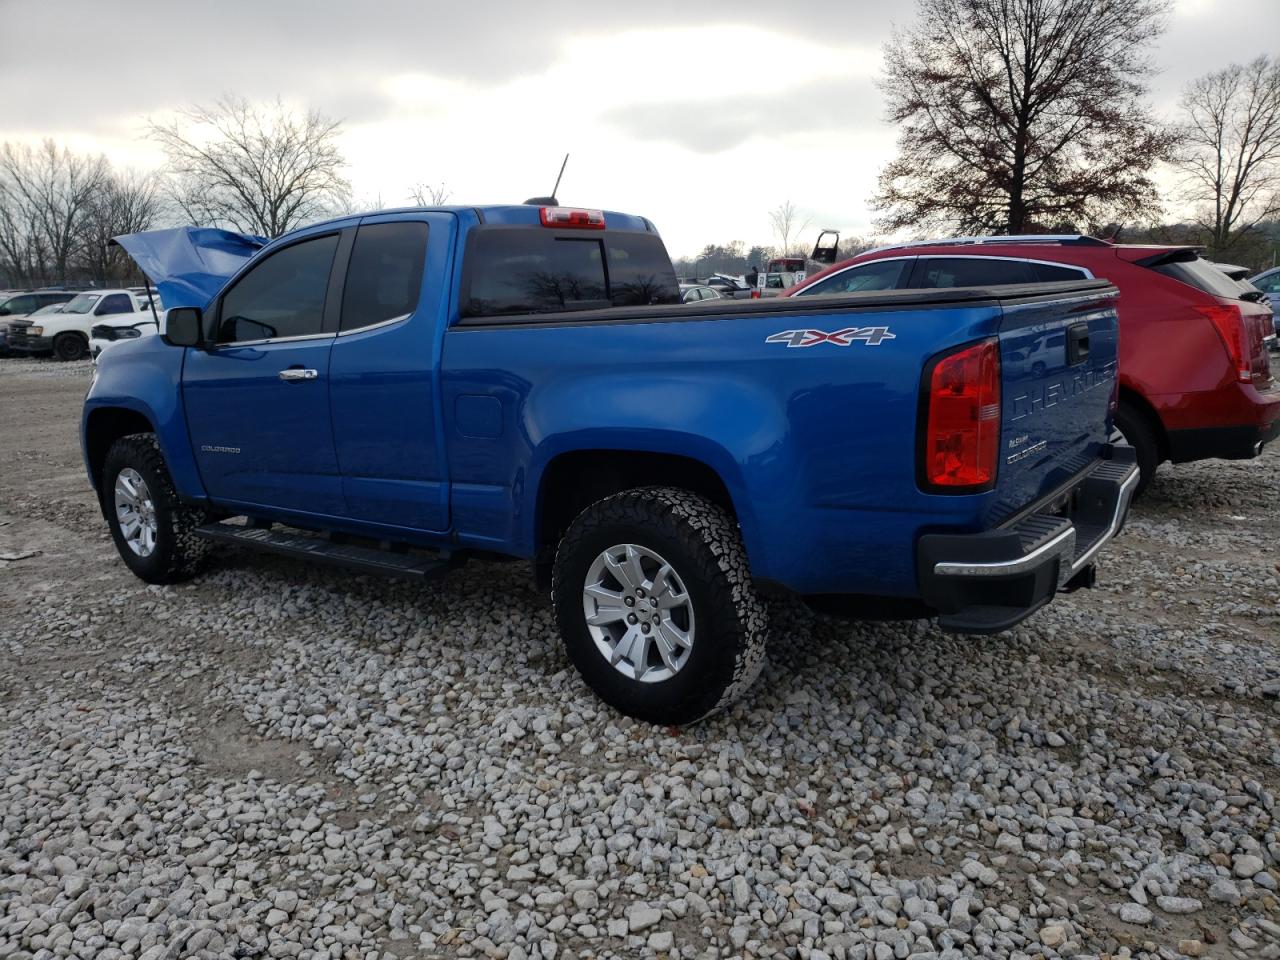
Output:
(1071, 238)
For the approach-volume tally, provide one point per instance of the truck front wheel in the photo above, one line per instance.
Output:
(70, 346)
(656, 607)
(151, 527)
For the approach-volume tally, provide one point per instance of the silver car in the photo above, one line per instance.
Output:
(1268, 281)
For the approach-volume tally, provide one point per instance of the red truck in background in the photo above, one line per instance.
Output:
(1195, 375)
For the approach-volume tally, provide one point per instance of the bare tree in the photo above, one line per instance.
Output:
(127, 202)
(44, 195)
(1230, 149)
(425, 195)
(1021, 113)
(261, 169)
(787, 226)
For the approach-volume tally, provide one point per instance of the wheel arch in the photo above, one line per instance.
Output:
(572, 480)
(103, 426)
(1142, 406)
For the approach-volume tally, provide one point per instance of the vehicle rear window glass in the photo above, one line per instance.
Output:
(385, 274)
(969, 272)
(1269, 284)
(513, 271)
(640, 272)
(1049, 272)
(283, 296)
(1202, 275)
(880, 275)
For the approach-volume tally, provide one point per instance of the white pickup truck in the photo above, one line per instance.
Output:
(66, 335)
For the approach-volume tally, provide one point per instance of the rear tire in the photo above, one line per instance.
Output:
(691, 574)
(151, 527)
(1138, 433)
(70, 346)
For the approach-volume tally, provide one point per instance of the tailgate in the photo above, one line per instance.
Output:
(1058, 373)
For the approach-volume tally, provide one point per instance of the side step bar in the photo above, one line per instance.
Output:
(305, 546)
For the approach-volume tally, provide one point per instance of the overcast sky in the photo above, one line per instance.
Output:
(701, 116)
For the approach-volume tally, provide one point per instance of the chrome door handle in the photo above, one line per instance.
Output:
(296, 373)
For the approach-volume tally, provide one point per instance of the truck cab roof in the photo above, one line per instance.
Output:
(188, 265)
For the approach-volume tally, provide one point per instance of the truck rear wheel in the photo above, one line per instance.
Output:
(151, 527)
(656, 607)
(70, 346)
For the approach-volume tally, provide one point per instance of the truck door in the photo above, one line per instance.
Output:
(384, 371)
(257, 399)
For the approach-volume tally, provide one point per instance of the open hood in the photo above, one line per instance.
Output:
(188, 265)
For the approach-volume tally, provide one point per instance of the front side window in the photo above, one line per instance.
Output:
(115, 303)
(878, 275)
(1269, 284)
(283, 296)
(385, 274)
(945, 272)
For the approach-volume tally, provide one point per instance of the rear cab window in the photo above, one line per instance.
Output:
(384, 276)
(517, 270)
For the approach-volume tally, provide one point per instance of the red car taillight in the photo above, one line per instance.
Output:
(961, 439)
(1229, 322)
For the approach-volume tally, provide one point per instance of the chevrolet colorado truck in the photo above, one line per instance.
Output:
(400, 391)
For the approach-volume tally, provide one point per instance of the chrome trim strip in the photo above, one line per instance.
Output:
(1117, 518)
(1063, 542)
(258, 343)
(375, 326)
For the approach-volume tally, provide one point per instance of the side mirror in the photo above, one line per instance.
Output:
(183, 327)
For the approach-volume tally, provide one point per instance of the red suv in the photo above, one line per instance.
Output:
(1195, 376)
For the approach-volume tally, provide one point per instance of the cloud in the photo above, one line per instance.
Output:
(717, 124)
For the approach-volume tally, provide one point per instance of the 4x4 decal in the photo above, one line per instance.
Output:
(871, 336)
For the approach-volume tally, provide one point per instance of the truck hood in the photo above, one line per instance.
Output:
(188, 265)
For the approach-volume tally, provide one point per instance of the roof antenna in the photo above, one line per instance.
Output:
(551, 201)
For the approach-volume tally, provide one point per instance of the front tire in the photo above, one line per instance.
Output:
(70, 346)
(151, 527)
(656, 607)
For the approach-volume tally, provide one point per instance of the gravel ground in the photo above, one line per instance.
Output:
(283, 761)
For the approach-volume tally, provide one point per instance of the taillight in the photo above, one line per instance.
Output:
(961, 439)
(755, 294)
(1229, 322)
(572, 217)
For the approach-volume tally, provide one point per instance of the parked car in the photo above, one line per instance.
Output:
(66, 334)
(1269, 283)
(732, 288)
(1195, 376)
(695, 292)
(16, 304)
(112, 331)
(408, 389)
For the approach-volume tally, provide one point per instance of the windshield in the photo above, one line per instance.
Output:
(82, 303)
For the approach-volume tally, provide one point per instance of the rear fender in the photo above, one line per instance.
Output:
(729, 426)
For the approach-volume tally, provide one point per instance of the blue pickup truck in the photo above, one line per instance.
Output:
(400, 391)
